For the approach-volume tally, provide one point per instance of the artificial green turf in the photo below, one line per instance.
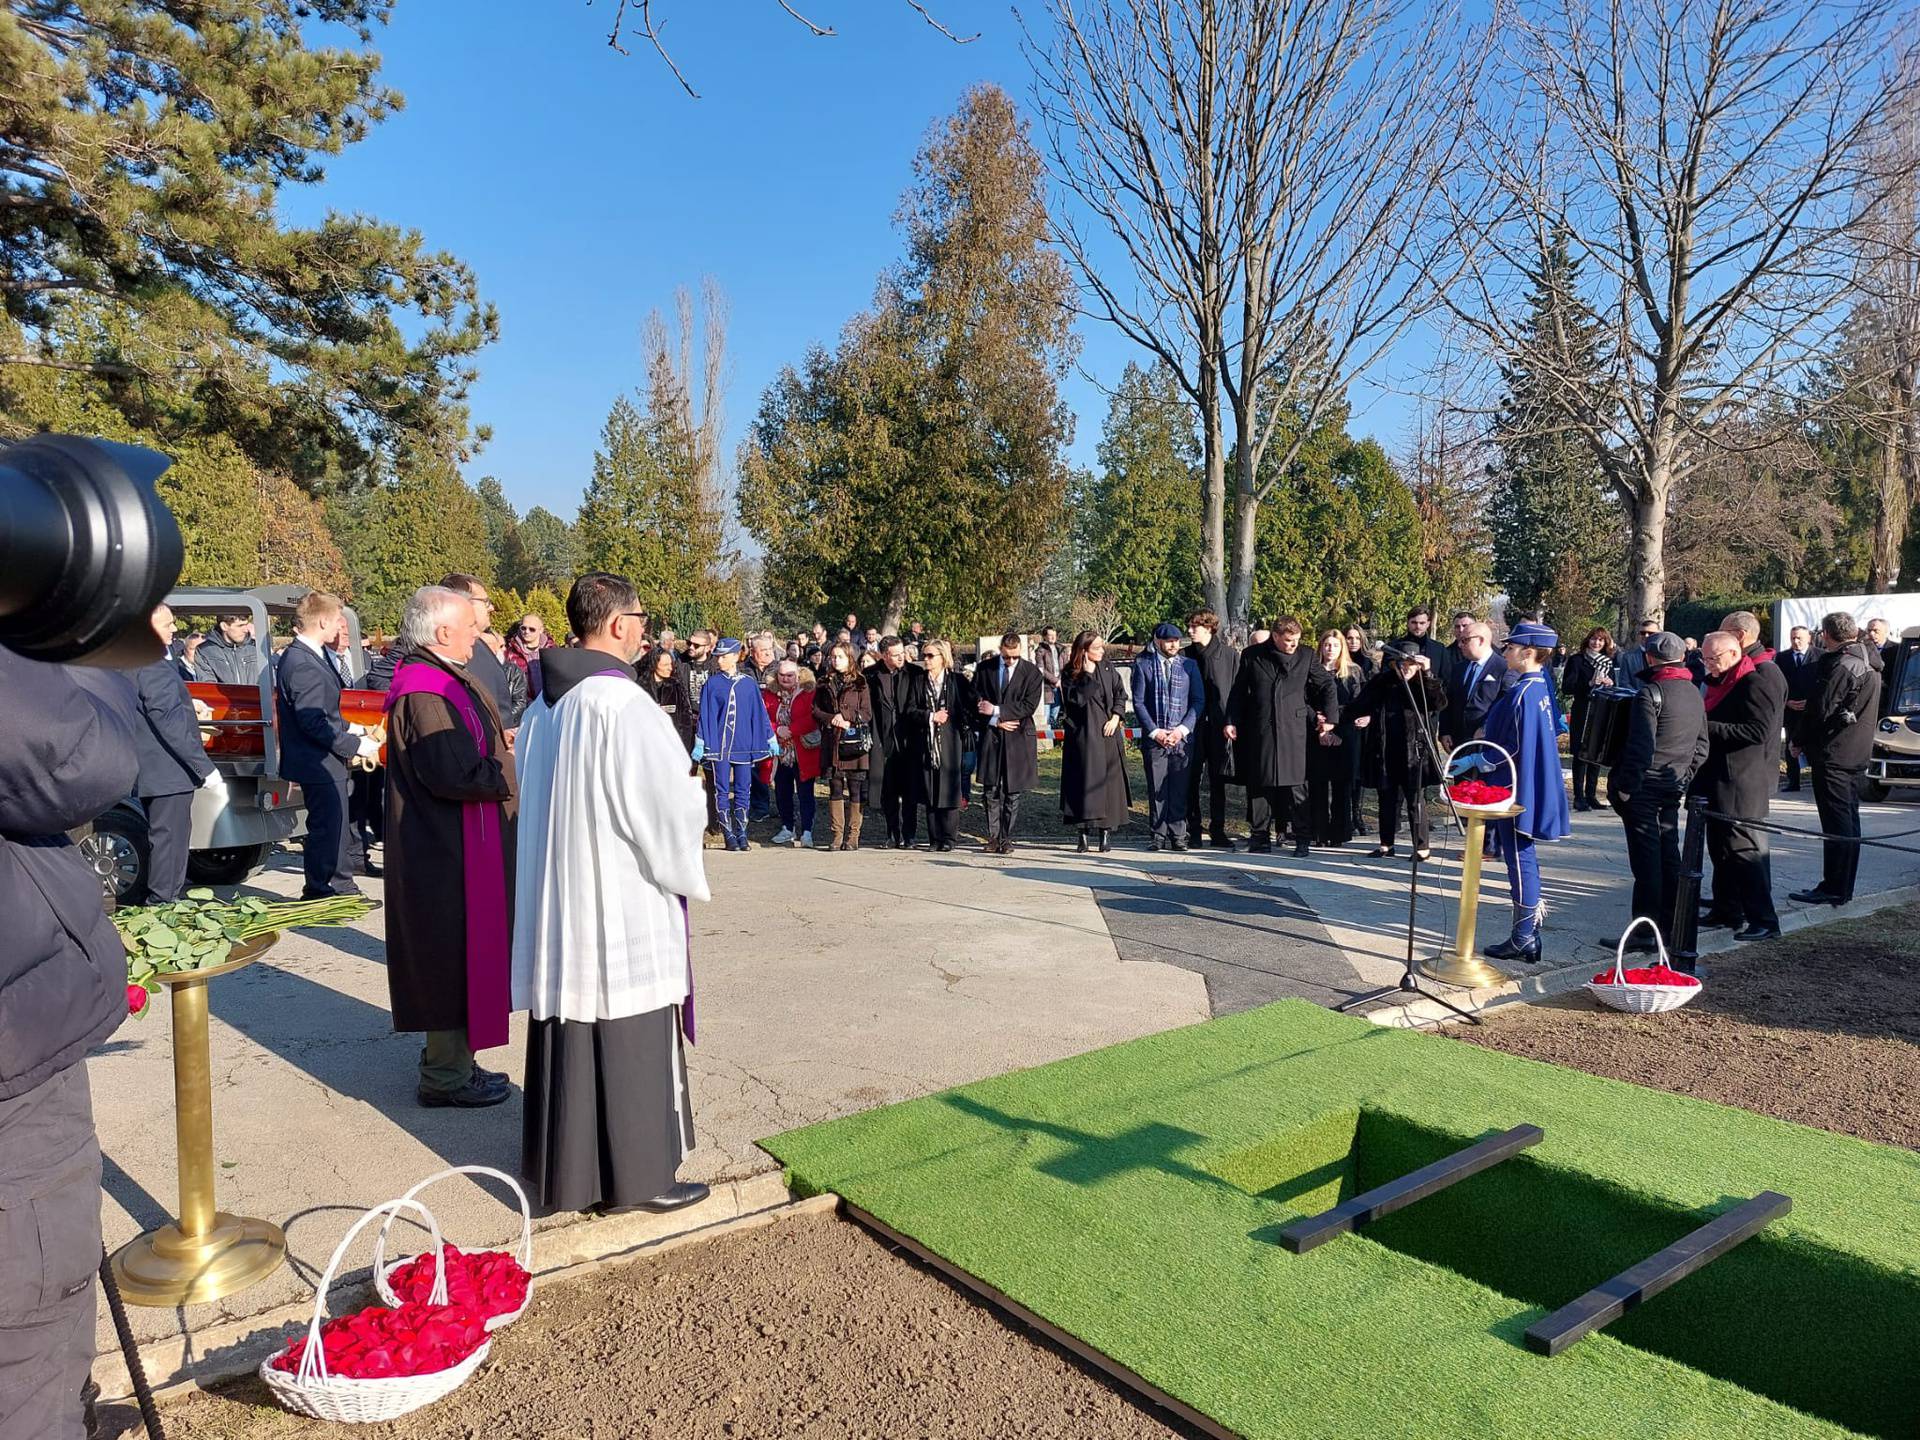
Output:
(1131, 1197)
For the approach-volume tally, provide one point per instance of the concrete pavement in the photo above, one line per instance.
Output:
(827, 983)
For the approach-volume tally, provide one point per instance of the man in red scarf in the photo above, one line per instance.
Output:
(1745, 700)
(450, 818)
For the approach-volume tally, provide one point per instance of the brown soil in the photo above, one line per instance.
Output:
(1821, 1028)
(805, 1327)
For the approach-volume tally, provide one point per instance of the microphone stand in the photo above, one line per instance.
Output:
(1410, 976)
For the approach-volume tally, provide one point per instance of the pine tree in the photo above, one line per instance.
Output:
(1138, 524)
(1557, 533)
(407, 533)
(620, 527)
(549, 554)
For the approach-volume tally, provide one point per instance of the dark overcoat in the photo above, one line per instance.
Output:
(1325, 762)
(1743, 745)
(673, 697)
(1398, 714)
(1275, 697)
(1093, 766)
(850, 699)
(173, 760)
(1007, 757)
(937, 751)
(887, 689)
(1219, 662)
(433, 768)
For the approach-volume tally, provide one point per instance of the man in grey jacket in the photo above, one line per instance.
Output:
(229, 655)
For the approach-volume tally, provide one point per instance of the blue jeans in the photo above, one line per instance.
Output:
(787, 784)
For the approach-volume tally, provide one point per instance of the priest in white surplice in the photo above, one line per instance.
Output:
(611, 822)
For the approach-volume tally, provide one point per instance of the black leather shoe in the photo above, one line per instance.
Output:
(1642, 945)
(1758, 932)
(1178, 845)
(1258, 846)
(1711, 921)
(476, 1094)
(1220, 842)
(1815, 897)
(687, 1192)
(1300, 849)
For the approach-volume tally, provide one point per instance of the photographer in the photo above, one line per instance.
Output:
(66, 754)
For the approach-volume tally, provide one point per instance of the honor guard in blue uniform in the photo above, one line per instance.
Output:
(734, 736)
(1524, 722)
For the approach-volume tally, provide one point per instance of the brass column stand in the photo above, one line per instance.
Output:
(205, 1253)
(1461, 965)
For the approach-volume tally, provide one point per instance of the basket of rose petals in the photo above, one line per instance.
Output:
(1644, 990)
(494, 1284)
(378, 1363)
(1471, 794)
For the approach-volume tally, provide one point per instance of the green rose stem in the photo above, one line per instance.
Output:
(201, 931)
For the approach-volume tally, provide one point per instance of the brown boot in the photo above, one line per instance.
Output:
(837, 812)
(853, 827)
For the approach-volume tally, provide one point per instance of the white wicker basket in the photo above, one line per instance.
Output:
(1466, 807)
(1640, 999)
(383, 1272)
(310, 1390)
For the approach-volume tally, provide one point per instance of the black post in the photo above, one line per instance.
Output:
(1684, 936)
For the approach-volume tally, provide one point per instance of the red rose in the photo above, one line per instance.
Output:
(136, 999)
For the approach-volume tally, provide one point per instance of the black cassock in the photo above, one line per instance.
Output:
(1009, 757)
(1093, 767)
(1274, 701)
(937, 750)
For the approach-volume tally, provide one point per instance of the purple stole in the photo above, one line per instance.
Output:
(483, 863)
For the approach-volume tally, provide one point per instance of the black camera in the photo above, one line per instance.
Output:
(87, 549)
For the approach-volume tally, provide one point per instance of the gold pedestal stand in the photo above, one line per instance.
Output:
(1461, 965)
(206, 1253)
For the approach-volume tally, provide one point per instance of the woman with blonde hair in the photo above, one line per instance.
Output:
(1332, 758)
(933, 724)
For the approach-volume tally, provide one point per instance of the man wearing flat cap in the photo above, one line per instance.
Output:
(1168, 695)
(1666, 746)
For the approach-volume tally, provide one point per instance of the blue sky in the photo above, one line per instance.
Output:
(583, 186)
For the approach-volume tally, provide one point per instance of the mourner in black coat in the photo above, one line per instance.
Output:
(1666, 746)
(1744, 705)
(1219, 662)
(893, 755)
(1007, 693)
(1800, 663)
(316, 743)
(173, 764)
(1836, 733)
(1398, 712)
(1094, 794)
(1281, 694)
(936, 710)
(1331, 772)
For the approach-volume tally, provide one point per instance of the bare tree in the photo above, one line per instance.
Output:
(1268, 171)
(638, 18)
(1707, 157)
(1887, 334)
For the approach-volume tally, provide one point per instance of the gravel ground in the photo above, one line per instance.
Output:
(806, 1327)
(1821, 1028)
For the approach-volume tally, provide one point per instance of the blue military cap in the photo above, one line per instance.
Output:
(1531, 632)
(728, 646)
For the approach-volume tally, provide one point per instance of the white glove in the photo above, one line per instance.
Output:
(215, 781)
(369, 748)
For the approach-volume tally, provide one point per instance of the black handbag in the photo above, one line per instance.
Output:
(855, 741)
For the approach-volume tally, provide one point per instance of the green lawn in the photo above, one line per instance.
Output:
(1131, 1197)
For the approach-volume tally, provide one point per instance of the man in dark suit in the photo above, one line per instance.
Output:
(893, 757)
(1218, 662)
(1745, 700)
(1008, 691)
(173, 764)
(1473, 686)
(1282, 695)
(315, 743)
(1800, 664)
(1836, 734)
(1167, 697)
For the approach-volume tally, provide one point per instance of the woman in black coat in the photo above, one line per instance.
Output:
(935, 709)
(662, 677)
(1588, 670)
(1403, 703)
(1093, 768)
(1330, 768)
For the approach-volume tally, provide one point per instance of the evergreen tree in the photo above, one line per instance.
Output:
(504, 547)
(1138, 524)
(549, 555)
(921, 465)
(1558, 538)
(550, 608)
(407, 533)
(620, 527)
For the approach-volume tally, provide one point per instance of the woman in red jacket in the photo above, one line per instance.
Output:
(790, 708)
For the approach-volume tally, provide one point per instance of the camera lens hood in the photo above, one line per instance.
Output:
(87, 549)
